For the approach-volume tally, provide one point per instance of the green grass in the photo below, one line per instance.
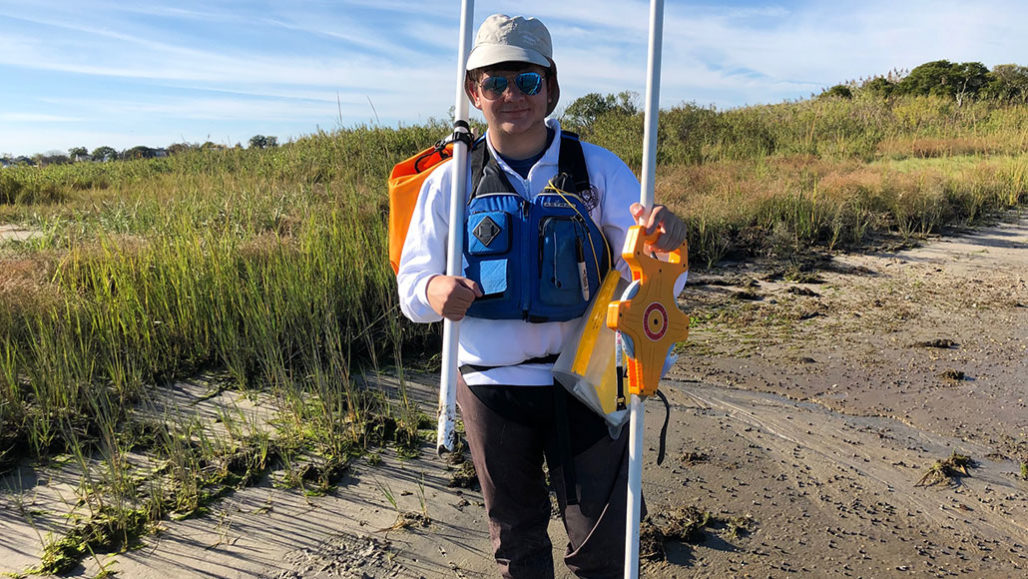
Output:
(268, 269)
(262, 267)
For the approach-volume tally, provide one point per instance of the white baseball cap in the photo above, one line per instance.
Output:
(505, 39)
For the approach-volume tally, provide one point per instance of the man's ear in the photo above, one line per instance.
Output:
(553, 89)
(471, 90)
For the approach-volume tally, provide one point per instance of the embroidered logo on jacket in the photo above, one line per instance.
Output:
(589, 198)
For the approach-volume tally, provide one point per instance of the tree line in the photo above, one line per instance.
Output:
(961, 81)
(958, 80)
(105, 153)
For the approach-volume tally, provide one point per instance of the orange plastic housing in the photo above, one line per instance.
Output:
(650, 318)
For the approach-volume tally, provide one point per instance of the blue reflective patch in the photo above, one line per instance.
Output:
(493, 274)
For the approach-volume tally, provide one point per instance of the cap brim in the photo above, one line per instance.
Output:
(490, 54)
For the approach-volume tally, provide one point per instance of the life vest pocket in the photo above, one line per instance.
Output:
(489, 239)
(562, 273)
(489, 233)
(492, 276)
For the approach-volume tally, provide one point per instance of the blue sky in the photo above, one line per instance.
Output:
(118, 73)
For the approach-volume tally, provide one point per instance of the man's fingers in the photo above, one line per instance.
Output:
(660, 218)
(451, 297)
(656, 220)
(673, 233)
(464, 293)
(471, 285)
(649, 218)
(637, 210)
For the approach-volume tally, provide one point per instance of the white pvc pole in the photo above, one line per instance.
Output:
(649, 160)
(649, 171)
(446, 434)
(635, 451)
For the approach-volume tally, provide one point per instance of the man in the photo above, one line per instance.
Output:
(535, 251)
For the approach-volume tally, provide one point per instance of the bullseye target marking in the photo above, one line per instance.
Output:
(656, 321)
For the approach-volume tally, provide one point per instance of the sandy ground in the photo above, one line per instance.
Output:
(16, 233)
(810, 404)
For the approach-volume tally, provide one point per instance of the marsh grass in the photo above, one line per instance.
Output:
(784, 205)
(688, 525)
(262, 268)
(267, 269)
(947, 471)
(828, 172)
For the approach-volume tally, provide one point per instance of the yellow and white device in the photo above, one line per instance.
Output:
(647, 316)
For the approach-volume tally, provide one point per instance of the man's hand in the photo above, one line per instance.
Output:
(672, 229)
(451, 296)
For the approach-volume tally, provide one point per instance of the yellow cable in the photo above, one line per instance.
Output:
(592, 247)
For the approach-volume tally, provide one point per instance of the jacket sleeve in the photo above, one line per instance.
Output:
(424, 249)
(619, 189)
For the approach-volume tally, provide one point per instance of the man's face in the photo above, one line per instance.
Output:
(500, 93)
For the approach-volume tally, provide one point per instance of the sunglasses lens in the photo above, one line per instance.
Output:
(494, 86)
(529, 83)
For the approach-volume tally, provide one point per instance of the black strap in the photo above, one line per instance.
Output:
(438, 149)
(471, 368)
(485, 171)
(663, 429)
(570, 164)
(622, 375)
(572, 161)
(462, 132)
(563, 428)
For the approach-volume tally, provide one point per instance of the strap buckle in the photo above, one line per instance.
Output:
(461, 133)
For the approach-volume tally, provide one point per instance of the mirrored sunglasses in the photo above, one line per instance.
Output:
(529, 83)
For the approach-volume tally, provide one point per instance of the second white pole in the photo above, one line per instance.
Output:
(646, 197)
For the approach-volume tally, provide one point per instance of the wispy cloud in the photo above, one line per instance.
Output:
(35, 118)
(193, 67)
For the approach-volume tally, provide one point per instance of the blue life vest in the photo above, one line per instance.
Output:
(540, 260)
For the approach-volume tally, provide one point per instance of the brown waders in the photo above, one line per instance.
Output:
(510, 429)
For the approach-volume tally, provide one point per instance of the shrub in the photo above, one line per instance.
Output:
(837, 91)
